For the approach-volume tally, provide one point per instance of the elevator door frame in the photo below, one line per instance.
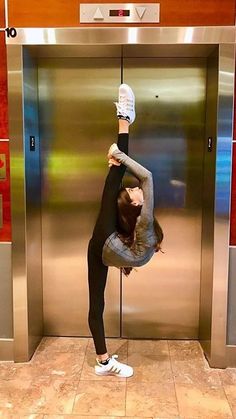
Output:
(214, 341)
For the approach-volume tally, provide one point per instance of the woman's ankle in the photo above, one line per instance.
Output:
(123, 126)
(103, 357)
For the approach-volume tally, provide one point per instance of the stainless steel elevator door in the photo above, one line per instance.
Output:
(161, 299)
(77, 125)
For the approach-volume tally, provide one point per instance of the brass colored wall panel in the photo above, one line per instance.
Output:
(61, 13)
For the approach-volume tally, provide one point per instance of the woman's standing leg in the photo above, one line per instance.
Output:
(105, 225)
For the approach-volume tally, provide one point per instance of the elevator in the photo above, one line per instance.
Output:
(68, 112)
(77, 125)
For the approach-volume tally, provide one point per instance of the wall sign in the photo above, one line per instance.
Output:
(120, 12)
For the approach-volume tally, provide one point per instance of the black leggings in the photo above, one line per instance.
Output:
(97, 271)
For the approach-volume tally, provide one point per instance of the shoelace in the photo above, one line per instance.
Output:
(126, 102)
(124, 107)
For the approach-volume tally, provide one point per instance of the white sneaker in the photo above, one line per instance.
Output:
(126, 105)
(113, 368)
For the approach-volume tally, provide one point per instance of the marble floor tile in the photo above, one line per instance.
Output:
(93, 417)
(49, 395)
(230, 391)
(185, 371)
(12, 392)
(150, 360)
(149, 368)
(157, 347)
(7, 370)
(16, 416)
(228, 376)
(67, 365)
(151, 399)
(100, 398)
(63, 344)
(202, 401)
(185, 350)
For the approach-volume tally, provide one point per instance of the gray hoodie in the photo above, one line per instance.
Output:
(115, 252)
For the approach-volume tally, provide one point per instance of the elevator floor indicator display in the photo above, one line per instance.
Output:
(120, 12)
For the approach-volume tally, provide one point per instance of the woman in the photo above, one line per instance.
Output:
(126, 233)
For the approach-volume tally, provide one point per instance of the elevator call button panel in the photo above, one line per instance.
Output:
(120, 12)
(2, 166)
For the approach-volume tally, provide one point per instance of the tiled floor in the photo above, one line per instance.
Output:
(171, 379)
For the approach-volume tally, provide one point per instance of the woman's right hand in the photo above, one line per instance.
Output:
(113, 162)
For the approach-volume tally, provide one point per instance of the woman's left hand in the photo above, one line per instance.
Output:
(113, 162)
(112, 148)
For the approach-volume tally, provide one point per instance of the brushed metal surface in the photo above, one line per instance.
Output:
(77, 126)
(17, 164)
(33, 202)
(231, 323)
(6, 303)
(123, 36)
(231, 356)
(117, 51)
(161, 300)
(222, 203)
(6, 349)
(208, 186)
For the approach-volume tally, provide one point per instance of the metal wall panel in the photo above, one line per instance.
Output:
(222, 203)
(205, 312)
(77, 126)
(161, 299)
(17, 163)
(33, 201)
(6, 305)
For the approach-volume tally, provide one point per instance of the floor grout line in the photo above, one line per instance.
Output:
(229, 403)
(173, 377)
(77, 385)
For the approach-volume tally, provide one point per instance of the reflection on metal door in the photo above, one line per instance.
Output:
(162, 298)
(77, 125)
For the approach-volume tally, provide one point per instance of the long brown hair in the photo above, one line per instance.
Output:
(127, 218)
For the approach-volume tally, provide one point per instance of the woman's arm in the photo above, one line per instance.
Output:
(146, 182)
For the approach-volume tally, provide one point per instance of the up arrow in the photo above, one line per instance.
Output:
(140, 10)
(98, 15)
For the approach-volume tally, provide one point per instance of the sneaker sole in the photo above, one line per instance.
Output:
(113, 373)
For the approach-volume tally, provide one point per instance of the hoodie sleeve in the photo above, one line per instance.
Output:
(146, 183)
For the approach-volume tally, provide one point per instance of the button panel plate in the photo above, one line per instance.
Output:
(120, 13)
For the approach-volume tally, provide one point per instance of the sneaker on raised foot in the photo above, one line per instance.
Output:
(126, 105)
(113, 367)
